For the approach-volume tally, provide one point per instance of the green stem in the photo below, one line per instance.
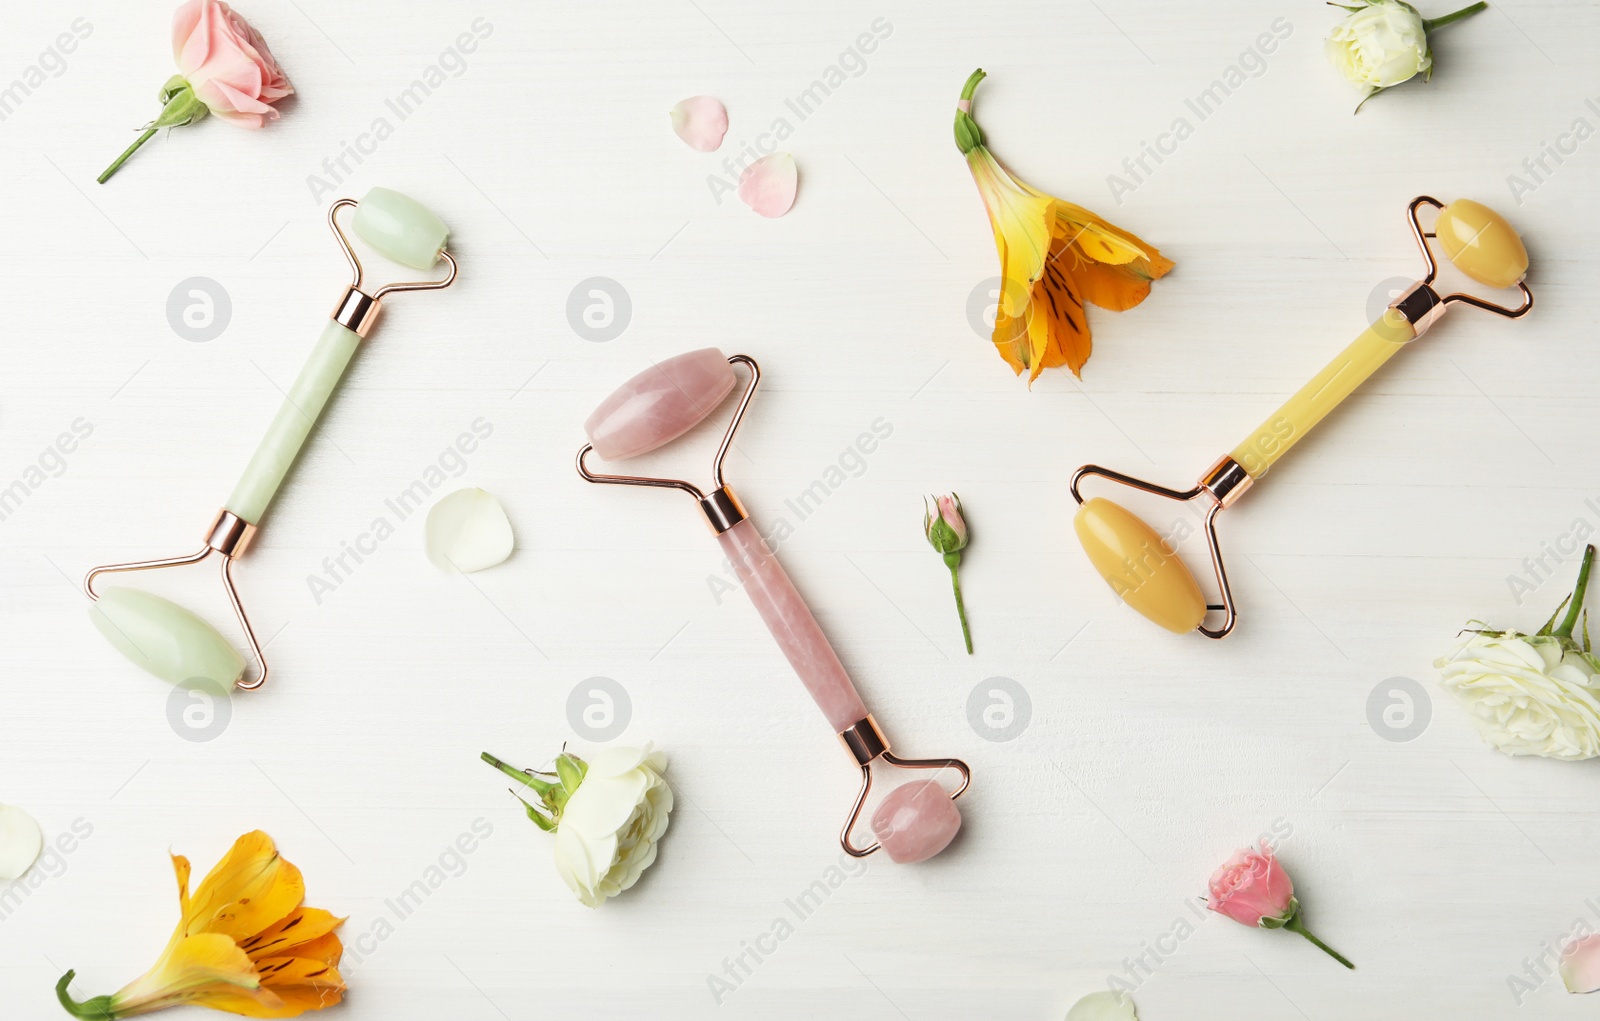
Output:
(129, 151)
(1429, 24)
(1296, 924)
(521, 776)
(954, 561)
(1575, 607)
(97, 1008)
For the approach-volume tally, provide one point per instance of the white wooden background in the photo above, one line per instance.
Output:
(1436, 864)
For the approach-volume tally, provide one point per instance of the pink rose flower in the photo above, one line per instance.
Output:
(1252, 887)
(224, 68)
(227, 63)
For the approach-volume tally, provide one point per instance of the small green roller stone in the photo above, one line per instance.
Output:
(401, 228)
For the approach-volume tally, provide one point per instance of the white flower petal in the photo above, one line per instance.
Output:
(701, 121)
(20, 842)
(1103, 1006)
(468, 531)
(769, 184)
(616, 761)
(604, 804)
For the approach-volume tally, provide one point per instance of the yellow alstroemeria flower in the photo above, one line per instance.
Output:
(1054, 256)
(245, 944)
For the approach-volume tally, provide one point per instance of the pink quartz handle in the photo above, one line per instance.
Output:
(791, 623)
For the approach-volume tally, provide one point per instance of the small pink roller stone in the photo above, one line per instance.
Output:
(916, 820)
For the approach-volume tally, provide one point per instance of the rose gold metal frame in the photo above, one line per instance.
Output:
(1433, 271)
(1226, 480)
(1220, 487)
(229, 534)
(721, 506)
(357, 310)
(865, 742)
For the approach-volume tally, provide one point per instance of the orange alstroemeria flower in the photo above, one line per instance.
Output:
(246, 944)
(1054, 256)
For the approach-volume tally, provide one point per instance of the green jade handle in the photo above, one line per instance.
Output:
(290, 429)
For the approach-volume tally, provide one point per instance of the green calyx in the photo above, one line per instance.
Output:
(968, 135)
(554, 793)
(1281, 921)
(179, 104)
(940, 535)
(1567, 635)
(96, 1008)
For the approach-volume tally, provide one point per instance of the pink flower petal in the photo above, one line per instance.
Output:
(1580, 965)
(701, 121)
(768, 185)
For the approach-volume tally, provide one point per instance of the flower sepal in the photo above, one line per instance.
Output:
(968, 135)
(1282, 921)
(179, 104)
(553, 794)
(95, 1008)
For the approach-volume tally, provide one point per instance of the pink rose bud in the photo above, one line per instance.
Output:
(1251, 888)
(946, 530)
(950, 510)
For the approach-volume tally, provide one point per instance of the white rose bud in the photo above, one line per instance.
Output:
(1382, 43)
(607, 815)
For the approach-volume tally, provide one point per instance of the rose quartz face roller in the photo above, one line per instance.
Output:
(916, 820)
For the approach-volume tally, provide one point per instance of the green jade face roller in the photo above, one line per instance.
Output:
(1144, 570)
(164, 638)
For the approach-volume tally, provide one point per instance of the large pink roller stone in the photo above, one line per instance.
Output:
(916, 821)
(660, 404)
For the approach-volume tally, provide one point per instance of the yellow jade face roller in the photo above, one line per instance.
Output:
(1144, 570)
(170, 641)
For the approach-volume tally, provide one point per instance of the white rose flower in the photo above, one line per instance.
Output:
(1526, 695)
(1533, 694)
(608, 832)
(607, 816)
(1382, 43)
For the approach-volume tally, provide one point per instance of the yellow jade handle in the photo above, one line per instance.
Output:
(1290, 423)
